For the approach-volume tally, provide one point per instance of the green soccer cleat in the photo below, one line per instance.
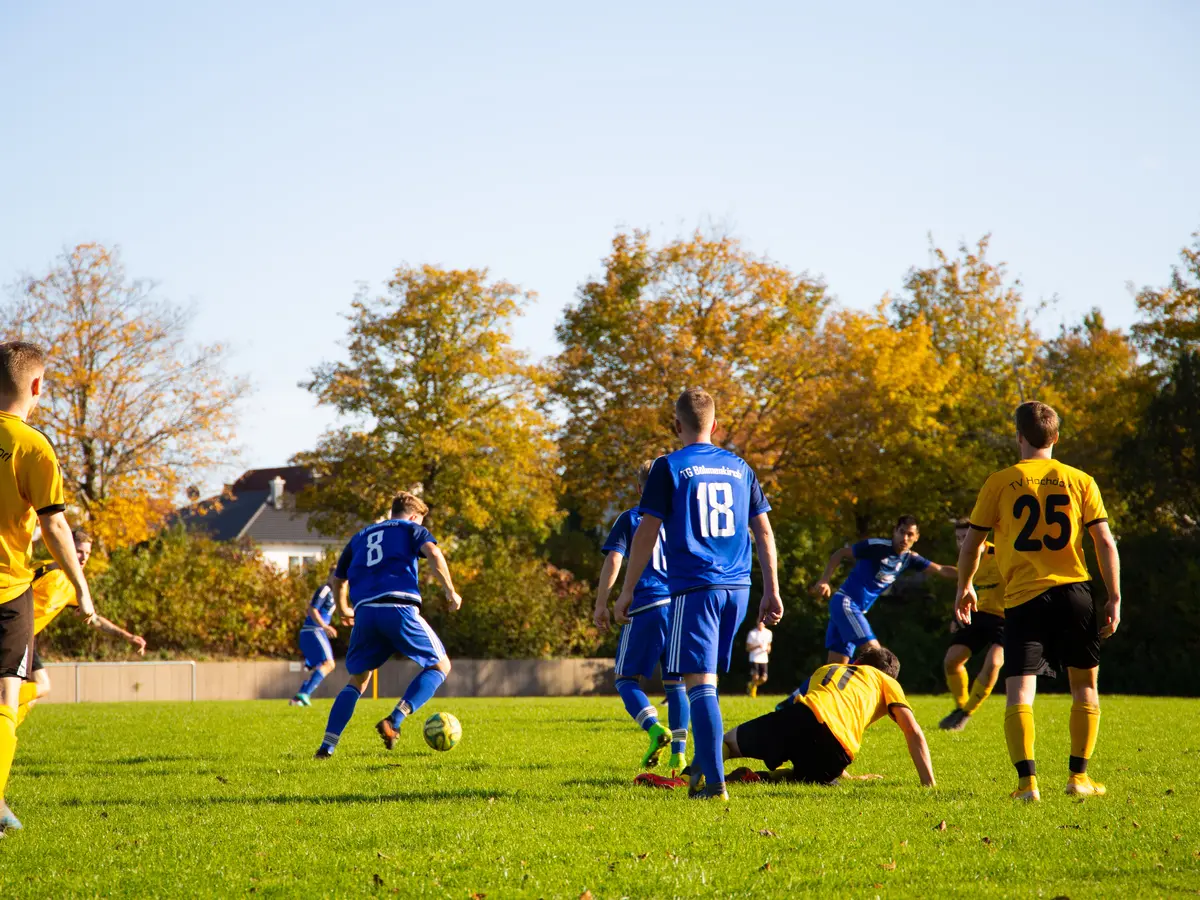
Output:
(677, 763)
(300, 700)
(660, 739)
(8, 822)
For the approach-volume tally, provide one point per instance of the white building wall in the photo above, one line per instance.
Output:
(283, 556)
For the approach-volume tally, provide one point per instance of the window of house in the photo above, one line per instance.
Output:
(293, 562)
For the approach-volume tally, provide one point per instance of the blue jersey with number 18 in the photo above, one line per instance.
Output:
(706, 497)
(380, 562)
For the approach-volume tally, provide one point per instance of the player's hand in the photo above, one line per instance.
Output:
(621, 609)
(965, 604)
(770, 610)
(821, 589)
(1112, 618)
(330, 631)
(140, 642)
(347, 617)
(454, 601)
(601, 618)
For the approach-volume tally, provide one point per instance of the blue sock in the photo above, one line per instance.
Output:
(679, 715)
(417, 694)
(637, 704)
(340, 715)
(313, 682)
(709, 731)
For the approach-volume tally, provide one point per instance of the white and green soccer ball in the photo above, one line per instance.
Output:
(442, 731)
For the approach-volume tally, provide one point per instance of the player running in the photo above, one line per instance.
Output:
(710, 502)
(820, 732)
(314, 643)
(380, 564)
(644, 640)
(758, 646)
(31, 493)
(1039, 510)
(52, 593)
(985, 633)
(878, 562)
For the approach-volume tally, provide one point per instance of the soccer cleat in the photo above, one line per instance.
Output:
(677, 763)
(649, 779)
(388, 732)
(708, 792)
(660, 739)
(752, 689)
(956, 721)
(323, 752)
(1027, 791)
(8, 822)
(743, 775)
(1081, 785)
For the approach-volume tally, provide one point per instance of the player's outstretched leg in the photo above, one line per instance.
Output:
(341, 713)
(642, 711)
(1018, 735)
(679, 718)
(955, 665)
(416, 695)
(1085, 726)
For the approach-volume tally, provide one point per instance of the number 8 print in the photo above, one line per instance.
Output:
(374, 548)
(718, 520)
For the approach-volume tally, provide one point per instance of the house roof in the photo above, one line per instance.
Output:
(244, 510)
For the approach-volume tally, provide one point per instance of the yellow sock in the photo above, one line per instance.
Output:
(980, 691)
(29, 693)
(753, 690)
(1018, 734)
(956, 680)
(8, 743)
(1085, 725)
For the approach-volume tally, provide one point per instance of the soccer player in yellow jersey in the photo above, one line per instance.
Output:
(52, 593)
(1039, 510)
(985, 633)
(821, 731)
(31, 492)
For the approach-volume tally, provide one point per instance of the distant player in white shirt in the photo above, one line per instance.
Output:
(758, 645)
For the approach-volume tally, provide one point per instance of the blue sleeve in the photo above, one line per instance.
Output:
(421, 537)
(618, 538)
(917, 562)
(758, 500)
(343, 563)
(862, 550)
(656, 496)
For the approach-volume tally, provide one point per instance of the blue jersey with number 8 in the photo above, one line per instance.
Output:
(380, 562)
(706, 497)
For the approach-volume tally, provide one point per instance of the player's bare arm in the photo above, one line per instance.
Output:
(822, 588)
(965, 599)
(1110, 570)
(109, 627)
(770, 610)
(56, 533)
(341, 593)
(609, 570)
(641, 548)
(950, 573)
(918, 749)
(441, 571)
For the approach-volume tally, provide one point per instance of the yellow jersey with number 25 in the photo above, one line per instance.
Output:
(1038, 511)
(30, 485)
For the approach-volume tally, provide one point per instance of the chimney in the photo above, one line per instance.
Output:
(277, 484)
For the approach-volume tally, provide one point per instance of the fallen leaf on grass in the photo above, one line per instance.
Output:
(643, 855)
(1076, 827)
(381, 854)
(1169, 791)
(767, 832)
(478, 896)
(986, 840)
(890, 866)
(378, 881)
(904, 843)
(765, 867)
(590, 827)
(940, 826)
(877, 885)
(222, 779)
(586, 895)
(1136, 825)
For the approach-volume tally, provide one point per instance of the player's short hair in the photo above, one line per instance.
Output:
(905, 521)
(406, 503)
(20, 363)
(1038, 423)
(81, 537)
(696, 409)
(880, 658)
(644, 472)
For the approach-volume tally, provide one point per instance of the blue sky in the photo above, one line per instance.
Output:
(260, 160)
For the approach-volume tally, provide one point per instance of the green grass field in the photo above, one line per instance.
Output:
(220, 799)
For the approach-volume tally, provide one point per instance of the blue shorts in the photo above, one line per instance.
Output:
(703, 626)
(643, 643)
(314, 644)
(380, 631)
(848, 626)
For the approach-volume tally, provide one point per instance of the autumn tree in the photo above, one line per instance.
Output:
(1170, 323)
(135, 409)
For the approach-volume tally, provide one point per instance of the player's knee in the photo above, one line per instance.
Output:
(328, 666)
(443, 665)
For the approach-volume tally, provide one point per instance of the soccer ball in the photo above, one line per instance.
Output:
(442, 731)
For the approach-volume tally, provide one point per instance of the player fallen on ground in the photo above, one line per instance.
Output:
(985, 634)
(314, 642)
(644, 640)
(52, 593)
(379, 566)
(878, 562)
(758, 646)
(31, 493)
(710, 503)
(1039, 509)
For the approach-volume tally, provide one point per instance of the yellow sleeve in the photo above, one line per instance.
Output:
(1093, 504)
(40, 480)
(893, 694)
(987, 511)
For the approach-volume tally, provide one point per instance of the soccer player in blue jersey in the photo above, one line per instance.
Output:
(380, 565)
(314, 643)
(710, 503)
(644, 640)
(878, 562)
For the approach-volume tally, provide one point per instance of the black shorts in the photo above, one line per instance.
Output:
(16, 636)
(758, 670)
(793, 733)
(985, 629)
(1056, 628)
(37, 660)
